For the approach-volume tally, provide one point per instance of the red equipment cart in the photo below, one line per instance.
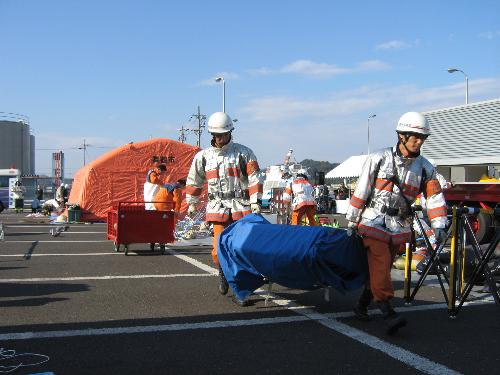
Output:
(131, 223)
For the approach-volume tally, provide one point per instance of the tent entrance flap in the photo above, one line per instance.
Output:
(252, 251)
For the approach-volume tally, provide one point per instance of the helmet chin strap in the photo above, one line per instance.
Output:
(212, 142)
(403, 140)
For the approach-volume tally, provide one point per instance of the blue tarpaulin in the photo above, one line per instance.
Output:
(299, 257)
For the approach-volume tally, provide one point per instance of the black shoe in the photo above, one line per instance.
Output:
(393, 321)
(223, 285)
(361, 313)
(361, 308)
(240, 302)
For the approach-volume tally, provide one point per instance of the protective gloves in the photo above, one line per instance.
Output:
(192, 210)
(352, 228)
(255, 207)
(440, 235)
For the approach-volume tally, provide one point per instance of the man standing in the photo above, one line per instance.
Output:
(301, 193)
(380, 210)
(234, 183)
(152, 185)
(169, 197)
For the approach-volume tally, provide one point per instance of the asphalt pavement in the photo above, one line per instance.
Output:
(72, 305)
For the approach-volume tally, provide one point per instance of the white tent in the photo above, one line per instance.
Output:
(349, 168)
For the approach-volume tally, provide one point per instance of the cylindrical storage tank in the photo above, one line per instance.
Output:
(32, 154)
(15, 150)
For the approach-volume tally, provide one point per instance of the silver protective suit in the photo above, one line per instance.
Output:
(378, 205)
(234, 181)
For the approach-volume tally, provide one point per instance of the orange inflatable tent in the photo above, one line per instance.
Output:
(119, 175)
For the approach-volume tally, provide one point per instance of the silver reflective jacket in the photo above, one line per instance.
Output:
(382, 208)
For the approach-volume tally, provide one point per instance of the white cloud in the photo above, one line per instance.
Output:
(262, 71)
(335, 127)
(324, 70)
(490, 34)
(393, 44)
(211, 81)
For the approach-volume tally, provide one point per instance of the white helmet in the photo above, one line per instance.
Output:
(220, 123)
(413, 122)
(303, 172)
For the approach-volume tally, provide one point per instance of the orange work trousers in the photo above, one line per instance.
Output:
(380, 258)
(218, 228)
(309, 211)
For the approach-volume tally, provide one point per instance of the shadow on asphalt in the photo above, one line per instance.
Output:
(24, 290)
(30, 302)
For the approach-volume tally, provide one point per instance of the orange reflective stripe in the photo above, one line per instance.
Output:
(288, 191)
(432, 213)
(410, 190)
(252, 166)
(237, 215)
(378, 234)
(257, 188)
(193, 190)
(214, 216)
(432, 187)
(357, 202)
(300, 181)
(383, 184)
(233, 172)
(213, 173)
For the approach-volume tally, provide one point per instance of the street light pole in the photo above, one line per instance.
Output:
(219, 79)
(369, 117)
(453, 70)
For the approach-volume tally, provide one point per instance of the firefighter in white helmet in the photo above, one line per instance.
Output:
(299, 192)
(380, 210)
(234, 182)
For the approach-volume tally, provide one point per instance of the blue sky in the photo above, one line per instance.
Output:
(301, 75)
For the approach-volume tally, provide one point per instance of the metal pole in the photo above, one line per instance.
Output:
(368, 136)
(223, 95)
(466, 89)
(369, 117)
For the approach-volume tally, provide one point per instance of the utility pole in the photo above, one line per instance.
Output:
(84, 148)
(201, 125)
(182, 134)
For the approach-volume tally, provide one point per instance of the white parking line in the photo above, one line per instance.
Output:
(53, 241)
(411, 359)
(47, 232)
(83, 278)
(194, 262)
(58, 254)
(147, 329)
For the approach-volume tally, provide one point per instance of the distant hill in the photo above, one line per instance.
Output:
(318, 166)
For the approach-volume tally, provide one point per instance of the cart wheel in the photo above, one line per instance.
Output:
(117, 247)
(126, 249)
(162, 248)
(152, 246)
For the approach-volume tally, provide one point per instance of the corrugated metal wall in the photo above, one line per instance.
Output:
(468, 134)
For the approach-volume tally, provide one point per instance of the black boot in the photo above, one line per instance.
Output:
(240, 302)
(392, 319)
(361, 308)
(223, 285)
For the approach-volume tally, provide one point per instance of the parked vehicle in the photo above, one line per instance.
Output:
(481, 195)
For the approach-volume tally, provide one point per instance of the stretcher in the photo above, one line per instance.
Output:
(253, 252)
(130, 223)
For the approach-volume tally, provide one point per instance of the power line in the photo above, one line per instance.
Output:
(201, 125)
(84, 148)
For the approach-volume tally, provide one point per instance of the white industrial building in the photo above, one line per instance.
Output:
(465, 141)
